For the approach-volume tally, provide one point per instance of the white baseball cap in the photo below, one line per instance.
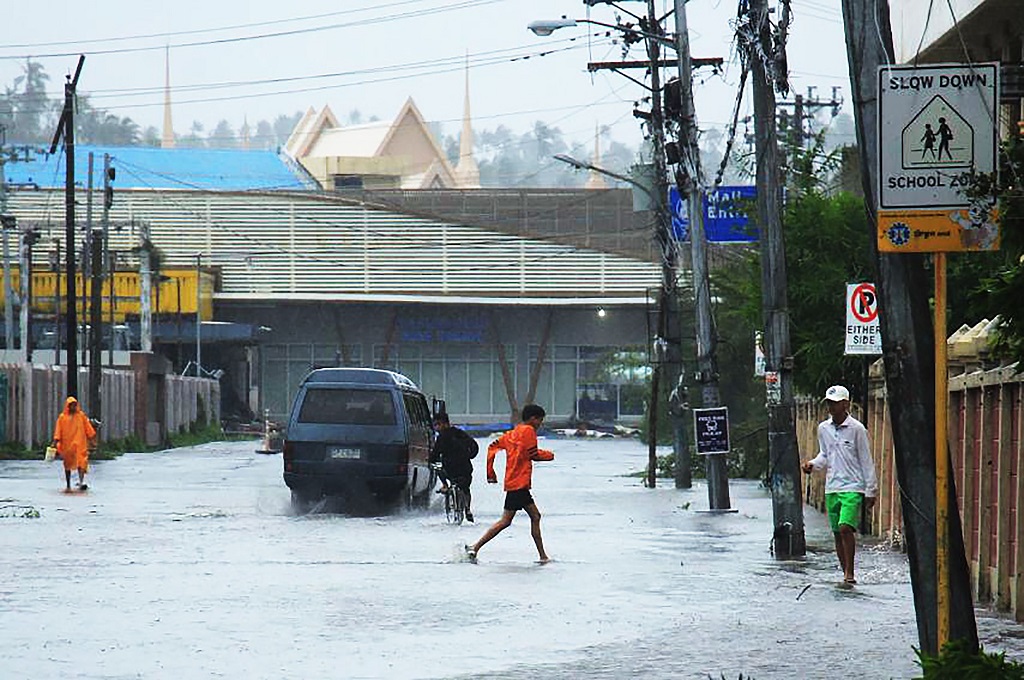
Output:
(837, 393)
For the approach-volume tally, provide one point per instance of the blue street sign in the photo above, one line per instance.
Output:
(725, 217)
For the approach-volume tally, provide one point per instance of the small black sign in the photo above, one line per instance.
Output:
(711, 426)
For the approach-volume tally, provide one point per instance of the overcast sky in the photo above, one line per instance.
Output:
(386, 51)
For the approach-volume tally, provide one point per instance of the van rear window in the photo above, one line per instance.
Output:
(347, 407)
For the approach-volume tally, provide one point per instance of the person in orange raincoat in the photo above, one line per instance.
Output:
(72, 436)
(520, 446)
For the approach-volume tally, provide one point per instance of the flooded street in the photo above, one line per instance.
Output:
(189, 563)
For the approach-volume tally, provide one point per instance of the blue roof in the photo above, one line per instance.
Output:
(143, 167)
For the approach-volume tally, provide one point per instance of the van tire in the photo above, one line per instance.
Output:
(303, 500)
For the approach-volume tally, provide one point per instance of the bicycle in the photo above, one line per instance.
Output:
(455, 501)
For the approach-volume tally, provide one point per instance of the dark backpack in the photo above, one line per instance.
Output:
(469, 445)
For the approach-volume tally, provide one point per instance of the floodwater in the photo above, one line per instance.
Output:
(190, 564)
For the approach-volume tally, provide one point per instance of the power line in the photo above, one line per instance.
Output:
(445, 68)
(196, 31)
(462, 4)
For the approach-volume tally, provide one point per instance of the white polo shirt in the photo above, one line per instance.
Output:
(843, 451)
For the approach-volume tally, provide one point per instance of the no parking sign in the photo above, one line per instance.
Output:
(862, 331)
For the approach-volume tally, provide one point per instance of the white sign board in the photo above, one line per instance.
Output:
(760, 362)
(862, 331)
(936, 124)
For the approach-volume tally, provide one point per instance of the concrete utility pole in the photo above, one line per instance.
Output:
(783, 450)
(108, 202)
(908, 352)
(669, 363)
(7, 223)
(145, 290)
(66, 127)
(96, 326)
(688, 177)
(29, 237)
(199, 315)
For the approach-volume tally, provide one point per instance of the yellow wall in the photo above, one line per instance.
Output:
(126, 291)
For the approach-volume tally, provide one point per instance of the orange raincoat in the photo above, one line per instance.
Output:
(73, 433)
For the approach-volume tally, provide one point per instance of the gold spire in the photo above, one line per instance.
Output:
(167, 139)
(596, 180)
(467, 172)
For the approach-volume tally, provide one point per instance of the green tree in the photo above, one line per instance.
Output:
(827, 246)
(99, 126)
(25, 109)
(995, 281)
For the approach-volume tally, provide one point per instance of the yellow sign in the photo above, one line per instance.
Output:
(937, 231)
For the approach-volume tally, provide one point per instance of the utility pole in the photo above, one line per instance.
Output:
(199, 315)
(668, 362)
(29, 238)
(109, 174)
(783, 449)
(87, 270)
(688, 177)
(7, 223)
(792, 127)
(909, 355)
(66, 127)
(145, 290)
(96, 325)
(111, 302)
(56, 304)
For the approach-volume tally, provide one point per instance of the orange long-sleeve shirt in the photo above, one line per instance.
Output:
(520, 446)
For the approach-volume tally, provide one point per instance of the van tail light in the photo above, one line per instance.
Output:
(403, 468)
(288, 453)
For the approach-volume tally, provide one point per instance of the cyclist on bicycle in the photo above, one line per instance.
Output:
(454, 449)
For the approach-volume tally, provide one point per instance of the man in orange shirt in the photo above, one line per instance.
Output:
(520, 446)
(72, 435)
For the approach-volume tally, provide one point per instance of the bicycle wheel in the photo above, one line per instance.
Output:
(460, 504)
(449, 504)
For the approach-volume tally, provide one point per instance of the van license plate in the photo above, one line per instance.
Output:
(343, 452)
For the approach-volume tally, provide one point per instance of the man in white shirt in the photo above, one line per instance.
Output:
(850, 478)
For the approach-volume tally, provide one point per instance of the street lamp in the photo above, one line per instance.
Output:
(545, 27)
(583, 165)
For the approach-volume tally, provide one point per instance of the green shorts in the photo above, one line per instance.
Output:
(843, 508)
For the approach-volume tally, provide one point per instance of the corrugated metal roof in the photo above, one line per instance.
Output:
(300, 246)
(154, 168)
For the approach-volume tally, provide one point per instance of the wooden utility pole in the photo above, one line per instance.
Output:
(908, 353)
(66, 128)
(783, 450)
(688, 177)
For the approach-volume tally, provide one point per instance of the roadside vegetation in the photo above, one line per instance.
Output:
(110, 450)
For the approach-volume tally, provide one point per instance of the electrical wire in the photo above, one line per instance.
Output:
(461, 4)
(196, 31)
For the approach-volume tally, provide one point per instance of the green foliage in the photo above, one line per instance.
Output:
(995, 281)
(957, 662)
(197, 435)
(17, 451)
(827, 241)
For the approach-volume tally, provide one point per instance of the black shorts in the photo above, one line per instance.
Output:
(517, 500)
